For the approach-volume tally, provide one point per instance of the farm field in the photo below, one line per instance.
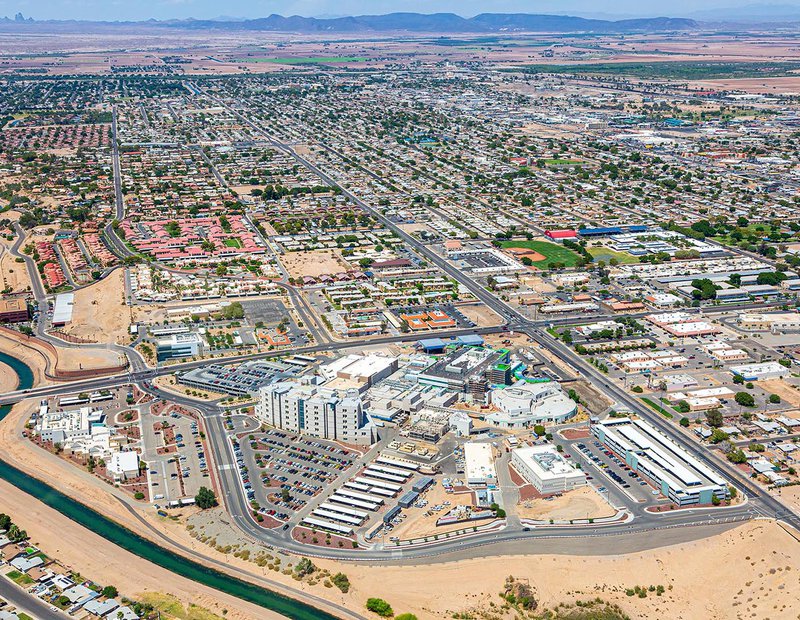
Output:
(305, 60)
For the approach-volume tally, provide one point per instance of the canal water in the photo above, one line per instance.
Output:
(128, 540)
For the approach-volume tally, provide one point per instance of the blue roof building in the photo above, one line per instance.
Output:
(432, 345)
(471, 340)
(599, 232)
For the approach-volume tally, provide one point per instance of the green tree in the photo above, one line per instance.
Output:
(714, 417)
(774, 399)
(684, 422)
(205, 498)
(109, 592)
(745, 399)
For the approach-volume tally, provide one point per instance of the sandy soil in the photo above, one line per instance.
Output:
(771, 86)
(94, 557)
(481, 315)
(417, 525)
(315, 263)
(13, 275)
(36, 360)
(785, 390)
(84, 358)
(583, 503)
(100, 313)
(754, 570)
(537, 284)
(8, 379)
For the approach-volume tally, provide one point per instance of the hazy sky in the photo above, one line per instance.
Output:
(167, 9)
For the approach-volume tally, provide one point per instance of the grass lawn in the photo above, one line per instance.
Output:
(658, 408)
(305, 60)
(19, 578)
(551, 251)
(601, 253)
(233, 242)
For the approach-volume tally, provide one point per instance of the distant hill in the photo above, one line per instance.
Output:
(396, 22)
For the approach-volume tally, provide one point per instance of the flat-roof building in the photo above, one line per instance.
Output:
(764, 370)
(675, 472)
(179, 345)
(479, 465)
(62, 310)
(13, 310)
(546, 469)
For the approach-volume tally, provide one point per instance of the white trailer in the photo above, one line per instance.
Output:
(395, 488)
(335, 516)
(344, 510)
(373, 473)
(395, 463)
(355, 503)
(366, 497)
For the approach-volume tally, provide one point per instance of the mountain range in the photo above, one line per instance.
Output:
(403, 22)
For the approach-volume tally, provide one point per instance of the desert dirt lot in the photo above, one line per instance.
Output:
(40, 358)
(583, 503)
(314, 263)
(752, 567)
(785, 390)
(100, 313)
(8, 379)
(480, 315)
(13, 275)
(417, 525)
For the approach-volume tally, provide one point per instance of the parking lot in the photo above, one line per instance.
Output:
(176, 456)
(282, 471)
(609, 474)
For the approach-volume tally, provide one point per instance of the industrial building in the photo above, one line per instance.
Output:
(676, 473)
(358, 371)
(546, 469)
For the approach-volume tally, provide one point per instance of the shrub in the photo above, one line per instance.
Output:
(341, 581)
(380, 607)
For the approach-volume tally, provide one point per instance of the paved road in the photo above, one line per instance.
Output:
(31, 605)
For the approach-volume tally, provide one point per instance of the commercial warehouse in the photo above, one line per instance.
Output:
(677, 474)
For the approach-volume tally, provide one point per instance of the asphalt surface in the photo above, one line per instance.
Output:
(31, 605)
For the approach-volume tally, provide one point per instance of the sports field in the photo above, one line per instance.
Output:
(606, 254)
(552, 252)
